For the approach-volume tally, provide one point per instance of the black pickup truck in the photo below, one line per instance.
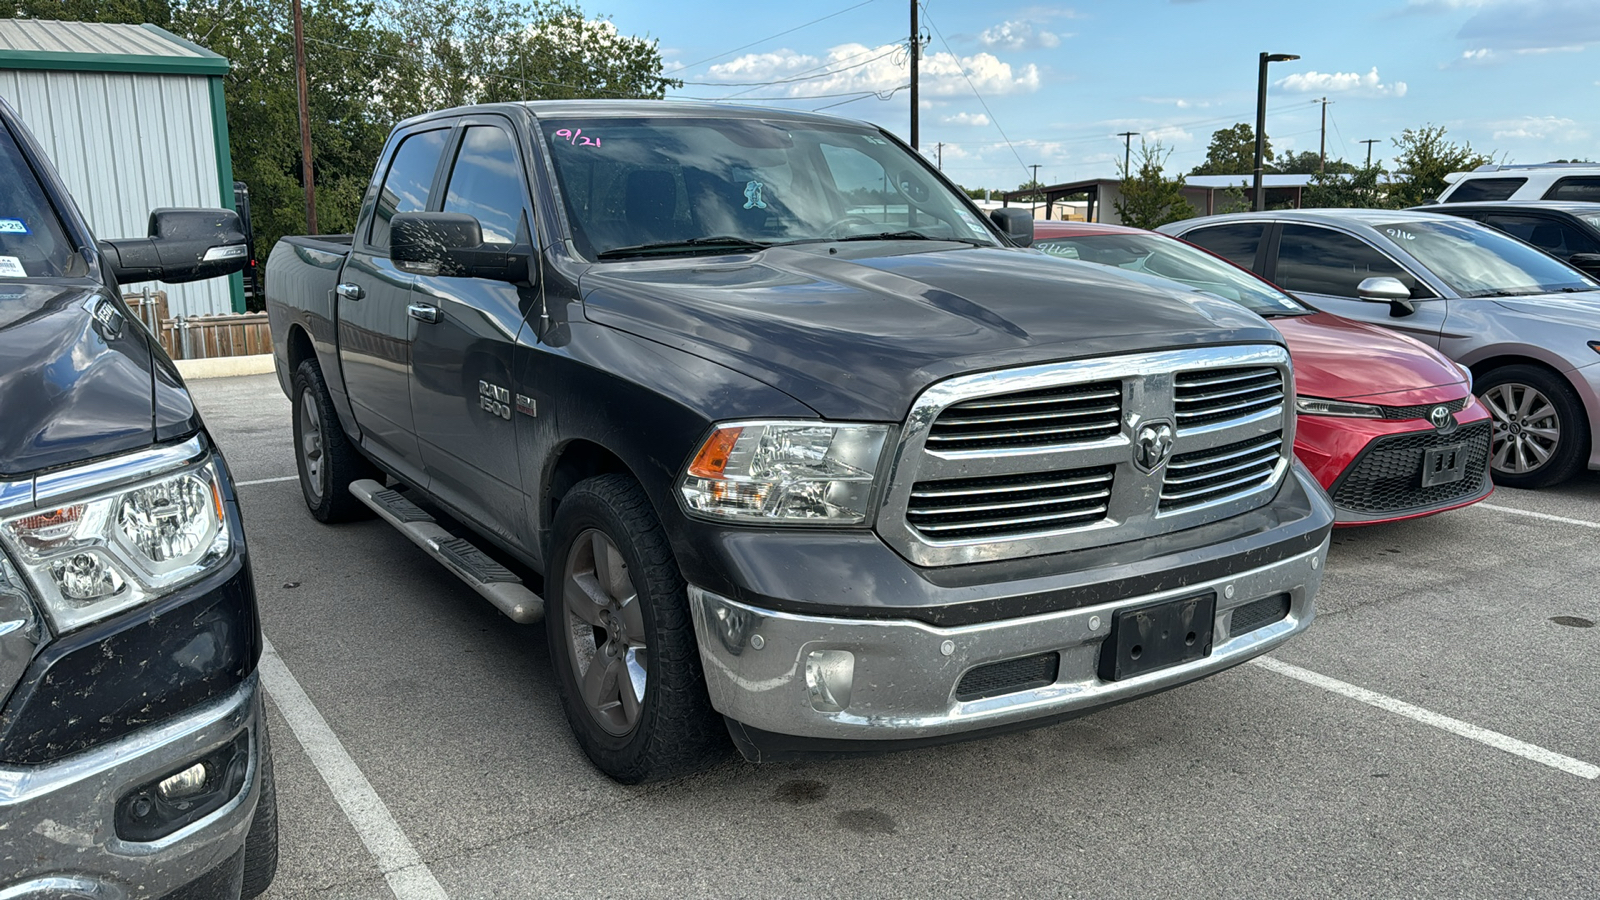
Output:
(133, 753)
(784, 439)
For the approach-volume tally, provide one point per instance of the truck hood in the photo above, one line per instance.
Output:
(72, 390)
(857, 331)
(1339, 359)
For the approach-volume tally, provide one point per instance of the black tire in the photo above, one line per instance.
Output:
(326, 470)
(1504, 386)
(261, 842)
(674, 730)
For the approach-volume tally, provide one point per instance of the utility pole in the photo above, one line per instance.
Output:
(1034, 205)
(1322, 147)
(939, 149)
(1127, 151)
(916, 51)
(1369, 142)
(305, 118)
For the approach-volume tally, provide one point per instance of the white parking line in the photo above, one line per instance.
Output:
(408, 876)
(1455, 726)
(1539, 515)
(265, 481)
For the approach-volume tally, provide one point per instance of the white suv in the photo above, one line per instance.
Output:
(1549, 181)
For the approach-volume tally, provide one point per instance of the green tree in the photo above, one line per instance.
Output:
(1149, 198)
(1232, 152)
(977, 193)
(1425, 158)
(1309, 162)
(1361, 189)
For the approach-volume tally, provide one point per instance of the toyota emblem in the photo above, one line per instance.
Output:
(1441, 418)
(1152, 445)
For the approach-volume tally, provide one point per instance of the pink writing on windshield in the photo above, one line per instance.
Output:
(577, 139)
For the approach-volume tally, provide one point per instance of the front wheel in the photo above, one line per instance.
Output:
(621, 639)
(1541, 435)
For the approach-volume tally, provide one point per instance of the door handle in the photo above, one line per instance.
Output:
(424, 313)
(350, 291)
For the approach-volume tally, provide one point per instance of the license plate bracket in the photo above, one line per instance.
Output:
(1158, 635)
(1444, 465)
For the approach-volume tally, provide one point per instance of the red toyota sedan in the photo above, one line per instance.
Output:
(1387, 424)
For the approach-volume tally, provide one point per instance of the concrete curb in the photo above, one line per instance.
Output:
(225, 366)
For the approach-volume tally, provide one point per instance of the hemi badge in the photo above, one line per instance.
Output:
(526, 405)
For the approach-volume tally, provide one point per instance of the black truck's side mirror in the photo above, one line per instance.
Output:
(1016, 223)
(184, 245)
(451, 244)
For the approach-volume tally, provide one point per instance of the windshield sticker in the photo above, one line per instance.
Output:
(11, 267)
(1399, 235)
(973, 224)
(13, 226)
(577, 139)
(752, 195)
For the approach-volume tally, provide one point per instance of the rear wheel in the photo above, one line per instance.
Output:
(621, 639)
(323, 454)
(1541, 435)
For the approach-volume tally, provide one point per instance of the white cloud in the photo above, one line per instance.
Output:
(1340, 82)
(856, 67)
(963, 118)
(1538, 128)
(1018, 35)
(1180, 102)
(1168, 134)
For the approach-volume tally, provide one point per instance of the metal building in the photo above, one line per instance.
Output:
(134, 119)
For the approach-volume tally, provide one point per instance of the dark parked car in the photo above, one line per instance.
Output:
(133, 751)
(807, 452)
(1568, 230)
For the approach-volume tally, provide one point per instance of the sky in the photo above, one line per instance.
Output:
(1007, 85)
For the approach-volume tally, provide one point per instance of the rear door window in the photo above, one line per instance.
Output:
(1585, 188)
(1320, 260)
(406, 186)
(1485, 189)
(1236, 243)
(485, 184)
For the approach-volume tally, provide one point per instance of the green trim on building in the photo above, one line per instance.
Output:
(53, 61)
(219, 135)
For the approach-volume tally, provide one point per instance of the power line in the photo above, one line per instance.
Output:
(771, 37)
(825, 65)
(963, 70)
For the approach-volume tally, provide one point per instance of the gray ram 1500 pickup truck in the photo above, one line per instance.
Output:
(783, 438)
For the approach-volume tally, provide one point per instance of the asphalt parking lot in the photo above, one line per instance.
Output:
(1435, 734)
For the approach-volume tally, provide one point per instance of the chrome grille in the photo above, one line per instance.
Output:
(1215, 473)
(1024, 462)
(1009, 504)
(1053, 416)
(1217, 395)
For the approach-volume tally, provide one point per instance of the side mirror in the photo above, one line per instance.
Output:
(1016, 223)
(184, 245)
(451, 244)
(1588, 262)
(1384, 289)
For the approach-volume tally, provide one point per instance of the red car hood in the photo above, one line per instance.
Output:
(1341, 359)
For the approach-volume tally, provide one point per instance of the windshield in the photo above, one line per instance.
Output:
(1177, 261)
(32, 242)
(1477, 261)
(641, 186)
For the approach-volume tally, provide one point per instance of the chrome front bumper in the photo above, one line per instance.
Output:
(770, 670)
(57, 837)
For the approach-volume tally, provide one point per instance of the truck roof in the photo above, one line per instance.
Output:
(639, 109)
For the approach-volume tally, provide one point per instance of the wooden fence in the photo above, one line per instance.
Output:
(201, 337)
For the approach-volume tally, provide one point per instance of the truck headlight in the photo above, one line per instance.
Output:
(95, 557)
(785, 472)
(1316, 406)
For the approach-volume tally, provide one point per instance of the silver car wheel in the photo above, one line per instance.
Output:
(605, 628)
(311, 443)
(1527, 428)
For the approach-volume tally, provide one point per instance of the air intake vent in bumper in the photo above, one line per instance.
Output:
(1009, 677)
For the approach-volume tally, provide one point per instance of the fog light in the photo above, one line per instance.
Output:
(829, 674)
(188, 783)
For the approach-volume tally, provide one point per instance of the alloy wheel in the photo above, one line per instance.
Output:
(311, 442)
(605, 631)
(1527, 428)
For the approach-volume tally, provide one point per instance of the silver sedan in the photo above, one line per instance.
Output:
(1527, 325)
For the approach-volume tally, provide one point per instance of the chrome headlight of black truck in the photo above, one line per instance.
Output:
(785, 473)
(106, 552)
